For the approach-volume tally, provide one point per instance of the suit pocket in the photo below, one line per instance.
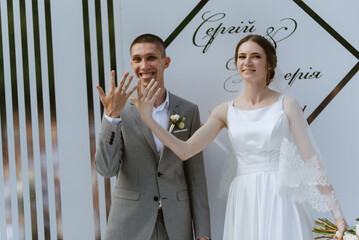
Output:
(126, 194)
(182, 195)
(181, 135)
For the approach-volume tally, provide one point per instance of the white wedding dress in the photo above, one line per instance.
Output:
(256, 210)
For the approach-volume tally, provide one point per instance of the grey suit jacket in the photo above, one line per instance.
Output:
(129, 152)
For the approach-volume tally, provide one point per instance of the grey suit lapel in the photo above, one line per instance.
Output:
(144, 129)
(173, 108)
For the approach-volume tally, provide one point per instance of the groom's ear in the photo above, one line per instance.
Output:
(167, 62)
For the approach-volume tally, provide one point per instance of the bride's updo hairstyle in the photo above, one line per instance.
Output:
(268, 49)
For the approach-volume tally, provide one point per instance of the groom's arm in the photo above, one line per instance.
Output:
(197, 187)
(108, 157)
(109, 149)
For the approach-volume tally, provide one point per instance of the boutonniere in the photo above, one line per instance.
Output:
(176, 121)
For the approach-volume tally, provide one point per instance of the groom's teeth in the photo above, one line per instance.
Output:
(147, 74)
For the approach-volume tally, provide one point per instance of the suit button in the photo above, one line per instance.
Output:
(112, 133)
(159, 174)
(155, 198)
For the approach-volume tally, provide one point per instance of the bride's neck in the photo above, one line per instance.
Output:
(254, 94)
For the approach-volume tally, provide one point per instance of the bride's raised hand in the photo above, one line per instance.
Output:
(144, 102)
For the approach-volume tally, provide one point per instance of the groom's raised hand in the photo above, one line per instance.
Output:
(116, 98)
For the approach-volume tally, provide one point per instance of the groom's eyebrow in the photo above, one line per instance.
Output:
(147, 54)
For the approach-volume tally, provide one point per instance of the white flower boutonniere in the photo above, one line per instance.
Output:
(176, 121)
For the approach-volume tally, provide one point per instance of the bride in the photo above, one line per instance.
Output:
(279, 169)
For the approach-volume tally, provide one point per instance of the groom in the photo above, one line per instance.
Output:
(157, 196)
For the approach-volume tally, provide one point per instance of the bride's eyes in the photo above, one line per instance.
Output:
(254, 56)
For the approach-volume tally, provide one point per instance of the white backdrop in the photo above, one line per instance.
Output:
(317, 45)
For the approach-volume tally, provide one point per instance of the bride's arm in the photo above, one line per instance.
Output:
(197, 142)
(307, 149)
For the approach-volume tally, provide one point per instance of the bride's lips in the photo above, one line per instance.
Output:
(248, 70)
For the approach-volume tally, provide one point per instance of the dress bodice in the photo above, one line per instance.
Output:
(256, 135)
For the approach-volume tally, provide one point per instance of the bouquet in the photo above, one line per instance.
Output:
(328, 230)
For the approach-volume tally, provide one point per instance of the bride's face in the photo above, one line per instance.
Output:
(252, 62)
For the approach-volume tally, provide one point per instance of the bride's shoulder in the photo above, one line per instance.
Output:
(223, 107)
(220, 111)
(291, 106)
(289, 101)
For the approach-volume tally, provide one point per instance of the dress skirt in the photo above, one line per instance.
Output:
(255, 211)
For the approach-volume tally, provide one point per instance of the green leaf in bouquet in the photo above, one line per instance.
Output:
(325, 228)
(329, 223)
(323, 232)
(351, 230)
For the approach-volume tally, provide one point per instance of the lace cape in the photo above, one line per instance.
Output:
(306, 180)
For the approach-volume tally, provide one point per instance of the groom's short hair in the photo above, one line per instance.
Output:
(150, 38)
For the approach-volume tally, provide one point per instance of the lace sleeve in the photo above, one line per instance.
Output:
(302, 173)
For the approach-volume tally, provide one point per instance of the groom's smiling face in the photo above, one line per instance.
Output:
(148, 62)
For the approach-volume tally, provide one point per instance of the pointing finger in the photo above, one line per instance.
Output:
(112, 80)
(101, 93)
(153, 87)
(139, 94)
(128, 83)
(147, 89)
(156, 94)
(122, 82)
(132, 90)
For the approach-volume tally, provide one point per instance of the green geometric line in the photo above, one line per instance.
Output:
(328, 28)
(185, 22)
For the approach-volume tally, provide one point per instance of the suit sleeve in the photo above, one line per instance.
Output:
(197, 187)
(109, 149)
